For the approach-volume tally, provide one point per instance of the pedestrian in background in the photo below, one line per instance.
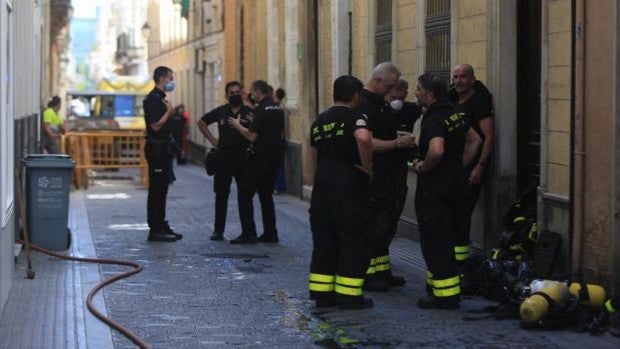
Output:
(180, 131)
(53, 126)
(231, 147)
(280, 185)
(259, 169)
(158, 153)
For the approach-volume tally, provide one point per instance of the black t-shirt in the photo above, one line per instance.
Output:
(444, 180)
(229, 138)
(268, 123)
(384, 128)
(154, 109)
(404, 120)
(332, 134)
(477, 107)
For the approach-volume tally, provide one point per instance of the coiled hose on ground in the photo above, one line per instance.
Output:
(89, 299)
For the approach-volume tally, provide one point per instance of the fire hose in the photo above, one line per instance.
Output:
(89, 298)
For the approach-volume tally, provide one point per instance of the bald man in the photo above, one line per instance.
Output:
(474, 101)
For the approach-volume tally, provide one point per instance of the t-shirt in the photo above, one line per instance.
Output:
(52, 118)
(268, 123)
(382, 126)
(177, 126)
(477, 107)
(444, 180)
(229, 137)
(154, 109)
(332, 134)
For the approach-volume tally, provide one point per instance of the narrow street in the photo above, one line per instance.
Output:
(199, 293)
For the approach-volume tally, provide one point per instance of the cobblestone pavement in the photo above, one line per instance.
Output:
(198, 293)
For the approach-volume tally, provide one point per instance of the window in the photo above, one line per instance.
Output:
(437, 33)
(383, 32)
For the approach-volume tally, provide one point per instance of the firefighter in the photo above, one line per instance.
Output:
(471, 98)
(446, 143)
(342, 147)
(386, 147)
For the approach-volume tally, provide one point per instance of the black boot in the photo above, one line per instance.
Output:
(374, 284)
(168, 230)
(439, 303)
(269, 238)
(353, 303)
(244, 239)
(217, 236)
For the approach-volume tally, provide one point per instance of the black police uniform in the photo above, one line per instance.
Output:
(340, 247)
(438, 195)
(380, 198)
(158, 154)
(231, 149)
(478, 107)
(259, 169)
(404, 120)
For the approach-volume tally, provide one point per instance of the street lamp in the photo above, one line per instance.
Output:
(146, 30)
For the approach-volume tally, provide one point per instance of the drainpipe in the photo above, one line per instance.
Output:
(577, 131)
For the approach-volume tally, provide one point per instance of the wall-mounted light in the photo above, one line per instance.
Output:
(146, 30)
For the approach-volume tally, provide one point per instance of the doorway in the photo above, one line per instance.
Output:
(528, 94)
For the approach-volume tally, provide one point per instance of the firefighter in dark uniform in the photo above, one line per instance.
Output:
(403, 114)
(260, 165)
(231, 149)
(158, 153)
(471, 98)
(446, 143)
(380, 198)
(342, 147)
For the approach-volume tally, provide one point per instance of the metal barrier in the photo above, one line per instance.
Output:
(105, 150)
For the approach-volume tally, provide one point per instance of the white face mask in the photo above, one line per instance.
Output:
(396, 104)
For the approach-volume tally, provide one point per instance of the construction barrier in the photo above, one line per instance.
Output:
(105, 150)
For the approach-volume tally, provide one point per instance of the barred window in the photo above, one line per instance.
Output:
(383, 32)
(437, 32)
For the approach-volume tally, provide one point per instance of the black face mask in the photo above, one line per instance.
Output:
(235, 100)
(251, 98)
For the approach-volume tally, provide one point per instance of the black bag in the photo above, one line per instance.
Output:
(211, 161)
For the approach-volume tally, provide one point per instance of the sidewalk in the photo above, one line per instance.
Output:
(197, 293)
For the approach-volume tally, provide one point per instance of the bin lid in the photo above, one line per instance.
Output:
(48, 161)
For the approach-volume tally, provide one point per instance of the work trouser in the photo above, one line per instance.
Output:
(339, 232)
(463, 227)
(229, 167)
(436, 226)
(384, 205)
(159, 171)
(258, 176)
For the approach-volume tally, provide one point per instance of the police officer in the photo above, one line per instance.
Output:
(342, 147)
(158, 153)
(471, 98)
(440, 188)
(230, 147)
(403, 114)
(386, 145)
(259, 170)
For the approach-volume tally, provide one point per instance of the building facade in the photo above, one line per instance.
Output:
(30, 62)
(555, 95)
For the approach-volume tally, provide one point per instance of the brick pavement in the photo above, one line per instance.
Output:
(199, 293)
